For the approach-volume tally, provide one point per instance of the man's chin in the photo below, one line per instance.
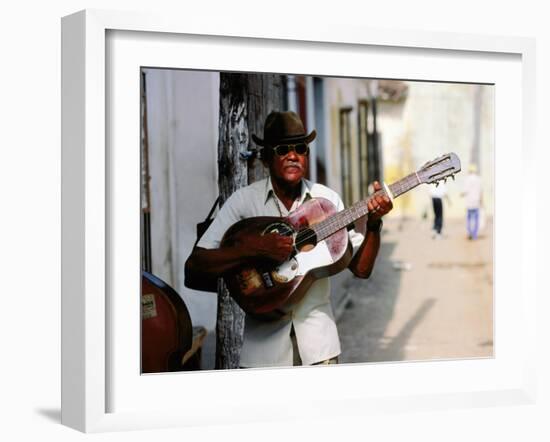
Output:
(293, 178)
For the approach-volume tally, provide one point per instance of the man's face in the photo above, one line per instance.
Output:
(289, 168)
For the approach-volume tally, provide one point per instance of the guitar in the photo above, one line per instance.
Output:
(321, 245)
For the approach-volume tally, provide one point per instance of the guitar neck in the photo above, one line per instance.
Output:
(347, 216)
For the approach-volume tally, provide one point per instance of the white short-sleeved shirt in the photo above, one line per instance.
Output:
(438, 191)
(472, 190)
(268, 343)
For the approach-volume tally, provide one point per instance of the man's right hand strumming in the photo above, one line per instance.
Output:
(271, 246)
(215, 262)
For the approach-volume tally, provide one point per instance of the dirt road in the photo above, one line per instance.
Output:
(427, 299)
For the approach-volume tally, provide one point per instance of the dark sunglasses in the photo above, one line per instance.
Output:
(284, 149)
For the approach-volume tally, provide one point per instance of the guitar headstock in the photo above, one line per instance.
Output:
(439, 169)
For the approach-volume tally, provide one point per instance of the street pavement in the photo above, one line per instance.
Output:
(427, 299)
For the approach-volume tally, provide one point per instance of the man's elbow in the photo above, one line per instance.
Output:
(363, 274)
(196, 278)
(193, 278)
(189, 274)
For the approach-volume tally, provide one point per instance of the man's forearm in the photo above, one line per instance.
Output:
(363, 262)
(215, 262)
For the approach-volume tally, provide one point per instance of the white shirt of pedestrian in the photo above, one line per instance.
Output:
(438, 191)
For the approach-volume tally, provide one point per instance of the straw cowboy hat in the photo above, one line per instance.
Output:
(283, 128)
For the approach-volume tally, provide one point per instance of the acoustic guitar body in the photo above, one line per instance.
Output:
(265, 289)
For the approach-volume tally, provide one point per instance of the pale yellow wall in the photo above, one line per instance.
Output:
(434, 119)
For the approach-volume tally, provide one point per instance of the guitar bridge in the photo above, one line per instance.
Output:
(267, 280)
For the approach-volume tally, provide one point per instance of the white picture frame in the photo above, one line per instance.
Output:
(87, 252)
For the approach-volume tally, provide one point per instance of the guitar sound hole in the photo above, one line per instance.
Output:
(306, 239)
(280, 228)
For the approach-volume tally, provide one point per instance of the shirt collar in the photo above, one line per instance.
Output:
(305, 191)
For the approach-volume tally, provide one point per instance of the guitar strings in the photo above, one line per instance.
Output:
(397, 189)
(325, 226)
(329, 224)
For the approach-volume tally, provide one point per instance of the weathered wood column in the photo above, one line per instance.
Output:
(245, 101)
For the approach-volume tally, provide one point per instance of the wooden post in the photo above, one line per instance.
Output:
(266, 93)
(245, 101)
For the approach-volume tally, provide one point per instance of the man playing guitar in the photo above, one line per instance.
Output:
(306, 334)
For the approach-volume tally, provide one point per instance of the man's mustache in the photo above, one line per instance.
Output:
(293, 164)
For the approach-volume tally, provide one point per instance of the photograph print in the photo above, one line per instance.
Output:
(303, 221)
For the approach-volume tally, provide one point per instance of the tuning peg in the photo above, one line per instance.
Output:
(453, 176)
(436, 183)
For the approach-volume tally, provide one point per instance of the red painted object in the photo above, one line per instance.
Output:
(166, 328)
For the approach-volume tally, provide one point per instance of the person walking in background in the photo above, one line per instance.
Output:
(438, 193)
(472, 193)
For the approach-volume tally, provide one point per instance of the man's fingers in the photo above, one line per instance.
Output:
(373, 204)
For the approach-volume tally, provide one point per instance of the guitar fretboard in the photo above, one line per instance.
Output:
(342, 219)
(405, 184)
